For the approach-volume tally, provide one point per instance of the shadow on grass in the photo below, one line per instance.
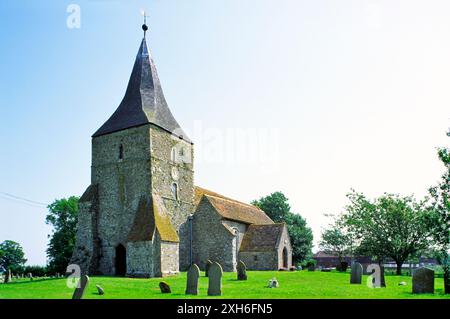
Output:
(31, 281)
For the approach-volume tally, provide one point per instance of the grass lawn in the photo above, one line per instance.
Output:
(293, 285)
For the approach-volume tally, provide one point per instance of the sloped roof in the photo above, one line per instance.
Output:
(232, 209)
(261, 238)
(144, 100)
(151, 216)
(89, 194)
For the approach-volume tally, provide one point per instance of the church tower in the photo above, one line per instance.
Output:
(133, 218)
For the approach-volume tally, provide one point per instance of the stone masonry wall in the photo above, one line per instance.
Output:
(140, 259)
(167, 170)
(211, 240)
(121, 183)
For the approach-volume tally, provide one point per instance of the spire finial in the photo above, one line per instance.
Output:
(144, 26)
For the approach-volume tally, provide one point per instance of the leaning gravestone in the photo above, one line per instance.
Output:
(80, 291)
(356, 273)
(241, 271)
(100, 290)
(207, 266)
(165, 288)
(215, 280)
(192, 280)
(423, 281)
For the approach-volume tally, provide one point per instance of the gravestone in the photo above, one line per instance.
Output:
(8, 277)
(165, 288)
(83, 285)
(241, 271)
(356, 273)
(192, 280)
(100, 290)
(382, 279)
(273, 283)
(423, 281)
(207, 266)
(30, 275)
(311, 268)
(215, 280)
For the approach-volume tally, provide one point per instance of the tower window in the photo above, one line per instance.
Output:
(173, 154)
(121, 151)
(175, 191)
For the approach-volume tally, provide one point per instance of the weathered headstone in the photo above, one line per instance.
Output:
(82, 288)
(382, 279)
(207, 266)
(273, 283)
(423, 281)
(7, 277)
(356, 273)
(215, 280)
(30, 275)
(100, 290)
(241, 271)
(165, 288)
(192, 280)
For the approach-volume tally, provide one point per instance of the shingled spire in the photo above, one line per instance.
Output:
(144, 101)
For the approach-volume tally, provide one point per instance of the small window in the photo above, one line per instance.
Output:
(175, 191)
(121, 151)
(255, 258)
(181, 152)
(173, 154)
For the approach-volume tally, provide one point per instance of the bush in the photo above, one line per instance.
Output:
(309, 263)
(342, 266)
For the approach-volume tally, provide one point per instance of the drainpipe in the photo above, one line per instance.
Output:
(191, 217)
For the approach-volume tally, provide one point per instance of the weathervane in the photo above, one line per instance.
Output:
(144, 26)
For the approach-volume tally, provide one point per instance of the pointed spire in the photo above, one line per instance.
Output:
(144, 101)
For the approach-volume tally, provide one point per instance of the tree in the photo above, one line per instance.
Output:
(11, 256)
(391, 225)
(276, 206)
(63, 214)
(440, 220)
(335, 241)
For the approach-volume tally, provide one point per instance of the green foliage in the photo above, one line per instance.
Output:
(439, 222)
(36, 271)
(11, 256)
(335, 241)
(62, 216)
(389, 226)
(276, 206)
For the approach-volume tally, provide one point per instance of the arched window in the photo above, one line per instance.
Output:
(121, 151)
(173, 154)
(175, 191)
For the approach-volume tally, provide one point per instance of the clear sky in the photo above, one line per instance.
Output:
(310, 98)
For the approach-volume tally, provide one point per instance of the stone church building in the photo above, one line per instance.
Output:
(142, 216)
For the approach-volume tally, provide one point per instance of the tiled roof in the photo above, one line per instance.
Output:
(262, 237)
(232, 209)
(152, 215)
(144, 101)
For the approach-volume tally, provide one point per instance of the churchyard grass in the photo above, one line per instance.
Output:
(301, 284)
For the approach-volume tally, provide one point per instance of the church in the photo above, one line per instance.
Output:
(142, 215)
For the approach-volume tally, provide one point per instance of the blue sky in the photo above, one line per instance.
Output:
(341, 94)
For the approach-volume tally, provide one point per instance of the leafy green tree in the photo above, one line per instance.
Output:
(391, 225)
(440, 220)
(336, 241)
(62, 216)
(277, 207)
(12, 256)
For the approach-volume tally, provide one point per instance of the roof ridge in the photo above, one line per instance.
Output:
(234, 201)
